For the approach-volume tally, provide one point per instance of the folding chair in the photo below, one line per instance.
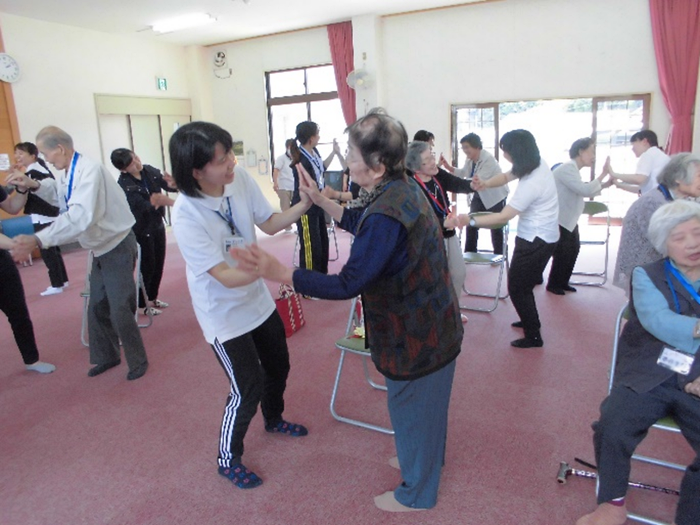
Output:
(592, 208)
(354, 345)
(664, 424)
(489, 259)
(85, 294)
(15, 226)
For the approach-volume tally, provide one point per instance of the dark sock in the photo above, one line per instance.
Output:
(97, 370)
(527, 342)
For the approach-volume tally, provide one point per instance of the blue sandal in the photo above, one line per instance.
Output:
(286, 428)
(241, 476)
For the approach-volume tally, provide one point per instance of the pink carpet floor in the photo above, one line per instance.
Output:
(76, 450)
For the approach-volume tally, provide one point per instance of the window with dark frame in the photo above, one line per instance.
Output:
(296, 95)
(556, 123)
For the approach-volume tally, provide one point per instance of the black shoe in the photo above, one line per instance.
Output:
(137, 372)
(527, 342)
(517, 324)
(569, 288)
(555, 291)
(97, 370)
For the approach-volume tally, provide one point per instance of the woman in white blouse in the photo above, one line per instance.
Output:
(535, 202)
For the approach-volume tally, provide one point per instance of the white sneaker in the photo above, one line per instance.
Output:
(160, 304)
(51, 291)
(41, 367)
(149, 310)
(65, 285)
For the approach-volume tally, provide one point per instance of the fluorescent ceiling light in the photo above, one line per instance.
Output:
(183, 22)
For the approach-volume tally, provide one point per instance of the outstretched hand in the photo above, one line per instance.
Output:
(308, 186)
(22, 247)
(452, 221)
(18, 179)
(477, 184)
(256, 261)
(169, 180)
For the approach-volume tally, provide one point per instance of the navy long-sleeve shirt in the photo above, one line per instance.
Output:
(378, 251)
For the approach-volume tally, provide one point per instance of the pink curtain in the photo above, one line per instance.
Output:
(340, 39)
(676, 28)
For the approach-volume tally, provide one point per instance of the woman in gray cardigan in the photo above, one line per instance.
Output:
(572, 191)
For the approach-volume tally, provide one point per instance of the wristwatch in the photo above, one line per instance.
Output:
(472, 222)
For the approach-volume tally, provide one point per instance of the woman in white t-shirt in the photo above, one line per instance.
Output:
(218, 208)
(536, 205)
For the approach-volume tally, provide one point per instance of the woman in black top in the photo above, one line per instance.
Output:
(43, 214)
(144, 186)
(12, 300)
(311, 228)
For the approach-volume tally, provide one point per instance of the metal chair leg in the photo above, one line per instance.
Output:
(348, 420)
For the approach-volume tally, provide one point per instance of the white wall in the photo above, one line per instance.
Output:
(63, 67)
(517, 50)
(496, 51)
(239, 102)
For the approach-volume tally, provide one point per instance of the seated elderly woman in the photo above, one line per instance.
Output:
(656, 374)
(680, 179)
(397, 262)
(435, 182)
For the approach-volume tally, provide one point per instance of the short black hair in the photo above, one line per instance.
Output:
(423, 135)
(473, 140)
(381, 139)
(521, 146)
(647, 134)
(578, 146)
(191, 148)
(121, 158)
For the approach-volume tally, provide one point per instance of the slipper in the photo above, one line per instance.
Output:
(284, 427)
(241, 476)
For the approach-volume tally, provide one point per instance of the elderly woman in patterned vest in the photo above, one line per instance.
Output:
(657, 373)
(397, 262)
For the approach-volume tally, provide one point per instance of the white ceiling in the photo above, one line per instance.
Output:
(235, 19)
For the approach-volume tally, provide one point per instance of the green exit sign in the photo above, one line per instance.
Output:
(161, 84)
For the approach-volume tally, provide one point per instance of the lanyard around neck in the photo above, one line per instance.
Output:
(317, 165)
(228, 217)
(670, 270)
(441, 209)
(665, 192)
(71, 174)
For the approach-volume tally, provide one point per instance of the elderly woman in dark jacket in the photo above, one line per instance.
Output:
(656, 374)
(397, 262)
(435, 184)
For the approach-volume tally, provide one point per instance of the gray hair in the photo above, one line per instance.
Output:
(666, 218)
(51, 137)
(413, 156)
(681, 169)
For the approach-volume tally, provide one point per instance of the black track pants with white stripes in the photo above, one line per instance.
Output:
(257, 366)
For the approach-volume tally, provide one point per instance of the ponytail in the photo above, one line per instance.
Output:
(294, 153)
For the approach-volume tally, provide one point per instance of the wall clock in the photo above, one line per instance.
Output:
(9, 68)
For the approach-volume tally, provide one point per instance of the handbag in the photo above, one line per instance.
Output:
(289, 307)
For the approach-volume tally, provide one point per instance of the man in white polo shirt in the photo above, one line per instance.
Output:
(652, 160)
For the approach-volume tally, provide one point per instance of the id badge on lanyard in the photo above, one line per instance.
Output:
(235, 240)
(674, 359)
